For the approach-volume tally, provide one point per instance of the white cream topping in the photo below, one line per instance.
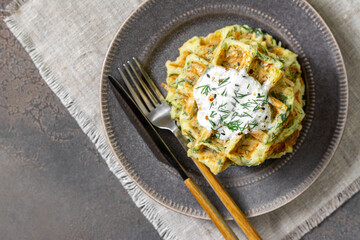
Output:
(231, 103)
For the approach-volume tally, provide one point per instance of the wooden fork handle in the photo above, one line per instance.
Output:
(210, 209)
(229, 203)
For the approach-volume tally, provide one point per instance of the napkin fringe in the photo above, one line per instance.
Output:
(325, 211)
(138, 196)
(15, 5)
(146, 208)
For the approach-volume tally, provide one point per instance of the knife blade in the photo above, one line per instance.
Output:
(159, 142)
(203, 200)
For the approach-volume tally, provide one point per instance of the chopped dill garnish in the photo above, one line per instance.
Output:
(212, 104)
(213, 114)
(239, 95)
(265, 101)
(234, 115)
(233, 125)
(245, 113)
(243, 128)
(222, 105)
(256, 108)
(224, 111)
(222, 81)
(212, 123)
(205, 89)
(253, 124)
(246, 105)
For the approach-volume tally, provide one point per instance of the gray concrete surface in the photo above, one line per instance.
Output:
(54, 184)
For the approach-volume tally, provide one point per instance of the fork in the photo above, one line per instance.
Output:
(152, 103)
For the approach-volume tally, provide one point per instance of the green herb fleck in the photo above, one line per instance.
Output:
(233, 125)
(240, 95)
(247, 28)
(222, 105)
(212, 123)
(265, 101)
(245, 113)
(234, 115)
(246, 105)
(224, 111)
(205, 89)
(256, 108)
(258, 32)
(222, 81)
(262, 48)
(253, 124)
(212, 104)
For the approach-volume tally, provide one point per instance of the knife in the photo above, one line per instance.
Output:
(203, 200)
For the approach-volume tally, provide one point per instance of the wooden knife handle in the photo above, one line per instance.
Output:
(229, 203)
(210, 209)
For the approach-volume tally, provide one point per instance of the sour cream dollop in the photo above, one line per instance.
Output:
(231, 102)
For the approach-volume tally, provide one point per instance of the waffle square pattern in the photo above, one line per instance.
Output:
(258, 57)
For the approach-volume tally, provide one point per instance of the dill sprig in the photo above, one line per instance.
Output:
(246, 114)
(265, 101)
(256, 108)
(253, 124)
(224, 111)
(243, 128)
(222, 81)
(212, 104)
(205, 89)
(212, 123)
(233, 125)
(234, 115)
(239, 95)
(246, 105)
(222, 105)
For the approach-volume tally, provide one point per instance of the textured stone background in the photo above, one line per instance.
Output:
(54, 184)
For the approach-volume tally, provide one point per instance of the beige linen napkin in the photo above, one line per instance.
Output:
(67, 41)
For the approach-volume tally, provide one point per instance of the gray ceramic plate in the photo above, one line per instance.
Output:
(153, 34)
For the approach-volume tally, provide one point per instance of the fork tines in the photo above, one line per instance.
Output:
(147, 95)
